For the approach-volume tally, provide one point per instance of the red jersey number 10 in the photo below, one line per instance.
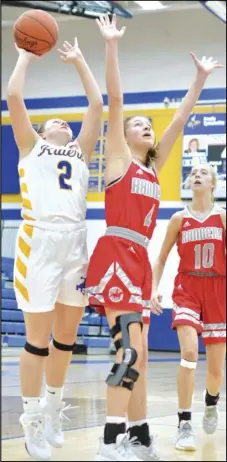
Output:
(204, 256)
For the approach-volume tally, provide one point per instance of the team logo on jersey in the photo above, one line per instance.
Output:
(202, 234)
(81, 287)
(145, 188)
(116, 294)
(65, 152)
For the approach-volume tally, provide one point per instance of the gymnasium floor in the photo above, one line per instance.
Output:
(85, 389)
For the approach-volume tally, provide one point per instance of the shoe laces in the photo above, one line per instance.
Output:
(37, 427)
(123, 446)
(150, 450)
(186, 430)
(58, 415)
(134, 442)
(211, 414)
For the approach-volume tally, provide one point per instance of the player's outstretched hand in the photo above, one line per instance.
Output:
(206, 65)
(71, 53)
(109, 29)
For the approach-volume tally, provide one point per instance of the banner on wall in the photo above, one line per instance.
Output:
(97, 164)
(204, 141)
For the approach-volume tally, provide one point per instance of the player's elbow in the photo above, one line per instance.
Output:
(98, 105)
(13, 94)
(115, 100)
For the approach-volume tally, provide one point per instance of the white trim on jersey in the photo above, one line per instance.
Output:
(214, 211)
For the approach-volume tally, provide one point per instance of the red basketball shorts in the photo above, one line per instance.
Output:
(119, 277)
(200, 301)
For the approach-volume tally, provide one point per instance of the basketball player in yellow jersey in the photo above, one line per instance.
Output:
(51, 252)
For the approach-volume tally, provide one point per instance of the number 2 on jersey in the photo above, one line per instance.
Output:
(148, 218)
(204, 256)
(66, 175)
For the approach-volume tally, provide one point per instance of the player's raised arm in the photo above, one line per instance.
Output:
(204, 68)
(24, 134)
(89, 132)
(117, 152)
(159, 265)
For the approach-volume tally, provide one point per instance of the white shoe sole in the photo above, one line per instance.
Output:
(185, 448)
(99, 458)
(36, 458)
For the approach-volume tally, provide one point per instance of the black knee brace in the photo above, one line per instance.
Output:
(124, 369)
(62, 347)
(35, 350)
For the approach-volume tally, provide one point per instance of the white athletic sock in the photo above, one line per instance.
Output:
(31, 405)
(54, 395)
(184, 410)
(137, 423)
(115, 420)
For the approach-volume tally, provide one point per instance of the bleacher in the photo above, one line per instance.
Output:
(93, 331)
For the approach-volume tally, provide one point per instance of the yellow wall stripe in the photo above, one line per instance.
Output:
(10, 198)
(95, 197)
(161, 118)
(28, 230)
(24, 188)
(24, 247)
(77, 117)
(26, 204)
(21, 267)
(22, 289)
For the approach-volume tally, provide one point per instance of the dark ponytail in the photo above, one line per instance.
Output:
(152, 155)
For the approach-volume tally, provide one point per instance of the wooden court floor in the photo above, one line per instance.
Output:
(85, 389)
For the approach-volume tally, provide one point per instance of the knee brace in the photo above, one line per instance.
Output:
(35, 350)
(124, 370)
(188, 364)
(62, 347)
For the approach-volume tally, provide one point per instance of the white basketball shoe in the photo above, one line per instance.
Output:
(121, 450)
(35, 440)
(185, 440)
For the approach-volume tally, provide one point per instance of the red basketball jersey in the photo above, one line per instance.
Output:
(133, 201)
(201, 244)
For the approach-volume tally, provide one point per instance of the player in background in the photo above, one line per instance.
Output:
(199, 297)
(119, 274)
(51, 251)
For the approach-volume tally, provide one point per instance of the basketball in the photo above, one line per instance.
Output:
(36, 31)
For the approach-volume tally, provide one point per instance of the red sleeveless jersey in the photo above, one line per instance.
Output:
(201, 244)
(133, 201)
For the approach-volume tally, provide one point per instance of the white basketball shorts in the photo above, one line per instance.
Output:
(50, 266)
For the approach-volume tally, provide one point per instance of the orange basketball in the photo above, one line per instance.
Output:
(36, 31)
